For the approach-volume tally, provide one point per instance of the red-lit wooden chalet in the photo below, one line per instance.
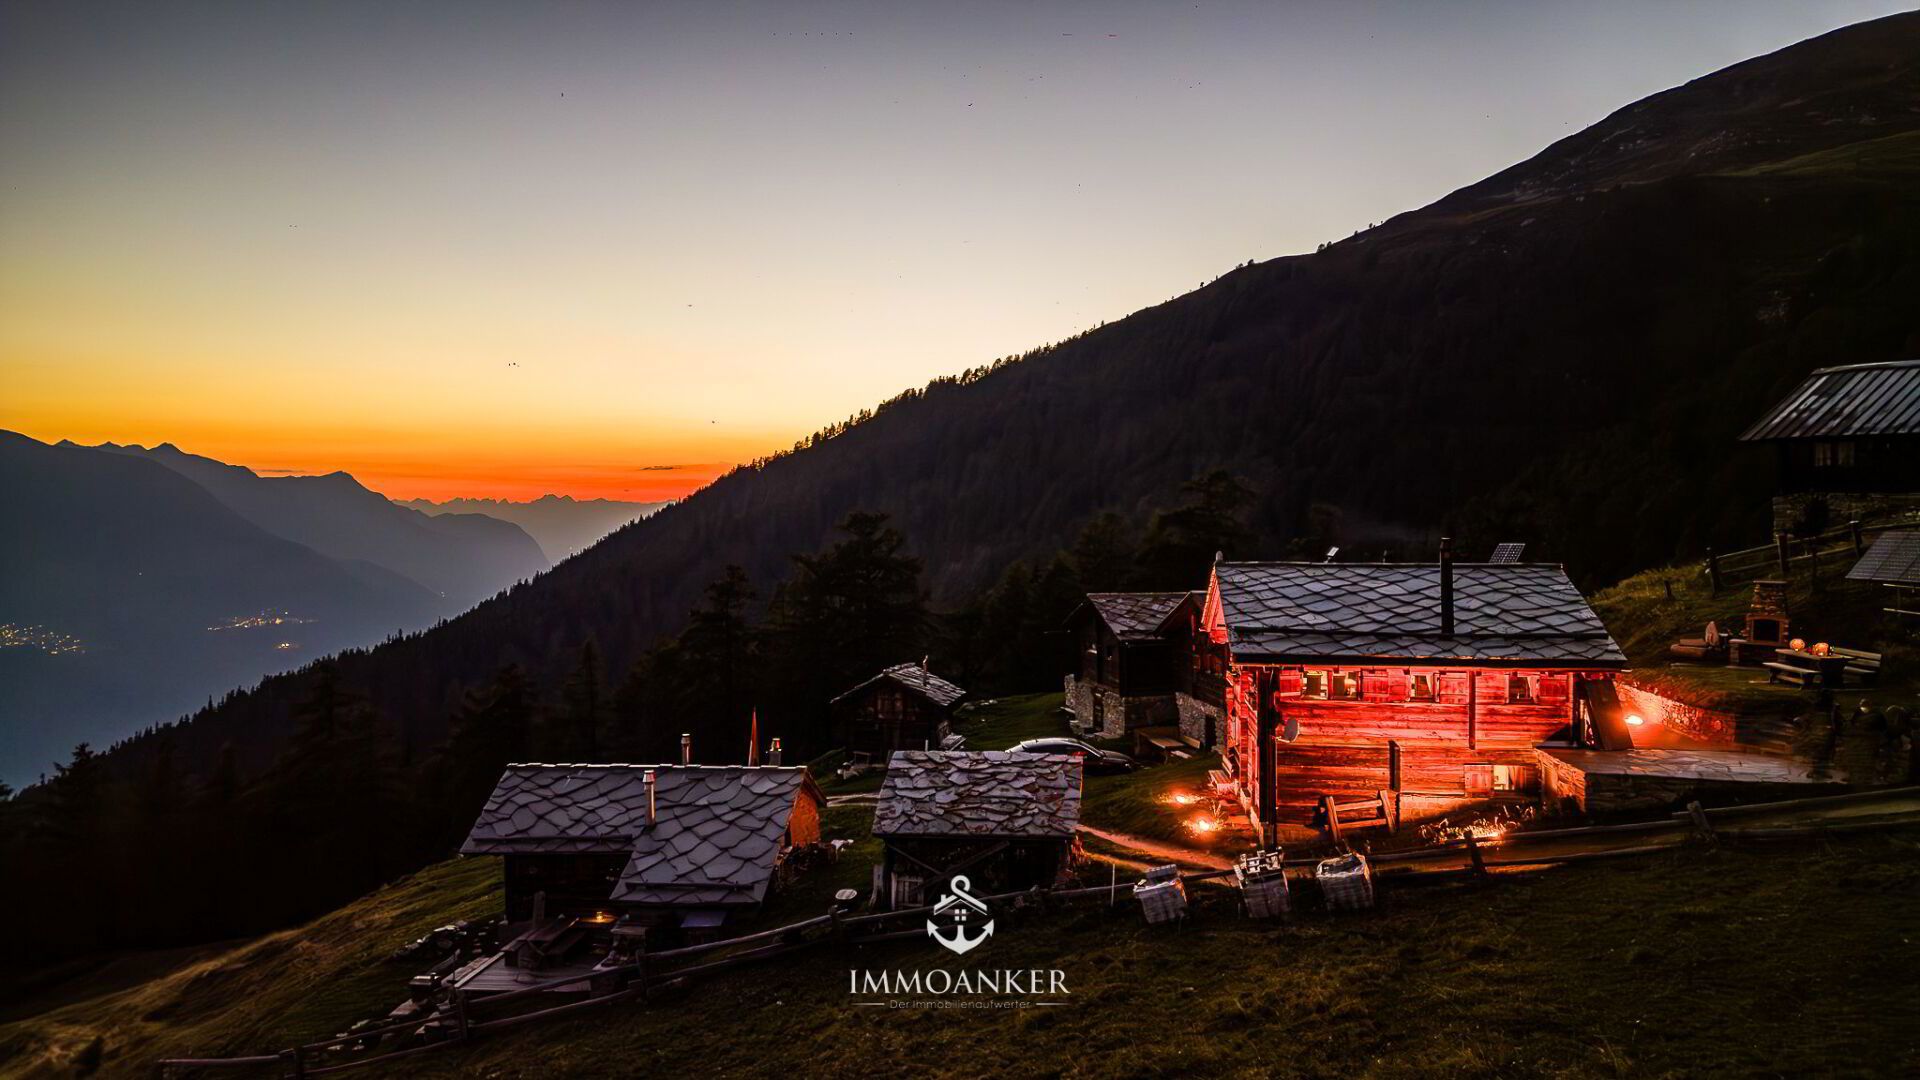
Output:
(1428, 681)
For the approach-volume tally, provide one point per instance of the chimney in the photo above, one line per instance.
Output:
(686, 746)
(773, 751)
(648, 776)
(1446, 585)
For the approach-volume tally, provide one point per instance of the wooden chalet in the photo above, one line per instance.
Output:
(1846, 445)
(1354, 685)
(1005, 820)
(666, 846)
(905, 707)
(1140, 661)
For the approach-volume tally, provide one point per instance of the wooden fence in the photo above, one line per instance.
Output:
(1788, 554)
(462, 1018)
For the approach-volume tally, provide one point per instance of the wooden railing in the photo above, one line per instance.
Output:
(1788, 553)
(462, 1017)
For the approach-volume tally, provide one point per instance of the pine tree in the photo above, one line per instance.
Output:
(584, 705)
(1181, 543)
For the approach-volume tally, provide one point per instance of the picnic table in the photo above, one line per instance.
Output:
(1829, 669)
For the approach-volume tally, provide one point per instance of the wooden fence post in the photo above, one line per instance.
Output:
(1702, 828)
(1479, 862)
(1781, 552)
(1859, 539)
(1713, 573)
(296, 1060)
(460, 1014)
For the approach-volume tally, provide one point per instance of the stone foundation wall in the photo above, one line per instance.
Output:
(1199, 721)
(1079, 702)
(1715, 726)
(1842, 507)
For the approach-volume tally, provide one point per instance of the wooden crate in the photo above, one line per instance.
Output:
(1346, 881)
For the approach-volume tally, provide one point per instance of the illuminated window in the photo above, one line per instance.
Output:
(1519, 690)
(1509, 777)
(1314, 685)
(1345, 686)
(1420, 686)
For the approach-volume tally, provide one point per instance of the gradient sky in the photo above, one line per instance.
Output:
(478, 249)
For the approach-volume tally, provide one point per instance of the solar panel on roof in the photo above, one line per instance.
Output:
(1893, 558)
(1507, 553)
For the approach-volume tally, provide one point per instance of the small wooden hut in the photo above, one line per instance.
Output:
(1005, 820)
(1140, 661)
(665, 845)
(905, 707)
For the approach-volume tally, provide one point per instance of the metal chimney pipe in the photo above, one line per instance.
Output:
(686, 748)
(1446, 585)
(773, 752)
(652, 784)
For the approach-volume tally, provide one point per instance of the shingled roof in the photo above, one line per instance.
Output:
(1859, 399)
(1135, 616)
(716, 833)
(916, 679)
(1504, 614)
(994, 793)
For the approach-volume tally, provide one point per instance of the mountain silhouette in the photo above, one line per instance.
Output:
(562, 525)
(145, 570)
(463, 557)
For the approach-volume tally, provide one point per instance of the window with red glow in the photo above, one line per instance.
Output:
(1420, 686)
(1519, 690)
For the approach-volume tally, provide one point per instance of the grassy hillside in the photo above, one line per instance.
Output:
(296, 985)
(1774, 959)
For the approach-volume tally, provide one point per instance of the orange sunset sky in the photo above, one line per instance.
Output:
(511, 249)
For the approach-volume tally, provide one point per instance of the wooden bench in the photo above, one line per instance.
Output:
(1383, 809)
(1862, 667)
(1799, 676)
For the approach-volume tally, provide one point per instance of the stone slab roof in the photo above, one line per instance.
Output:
(915, 679)
(714, 840)
(1859, 399)
(1136, 616)
(1515, 614)
(984, 793)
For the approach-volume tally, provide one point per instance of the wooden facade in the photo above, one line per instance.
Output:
(1359, 682)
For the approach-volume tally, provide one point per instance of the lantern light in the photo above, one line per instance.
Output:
(1635, 720)
(1821, 648)
(1798, 644)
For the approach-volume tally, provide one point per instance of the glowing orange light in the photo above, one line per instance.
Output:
(1202, 824)
(1798, 644)
(1635, 720)
(1822, 648)
(1181, 798)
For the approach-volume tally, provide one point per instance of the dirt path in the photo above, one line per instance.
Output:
(1162, 850)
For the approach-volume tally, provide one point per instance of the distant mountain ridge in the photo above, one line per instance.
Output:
(562, 525)
(463, 557)
(169, 569)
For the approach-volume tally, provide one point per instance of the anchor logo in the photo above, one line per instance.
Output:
(956, 910)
